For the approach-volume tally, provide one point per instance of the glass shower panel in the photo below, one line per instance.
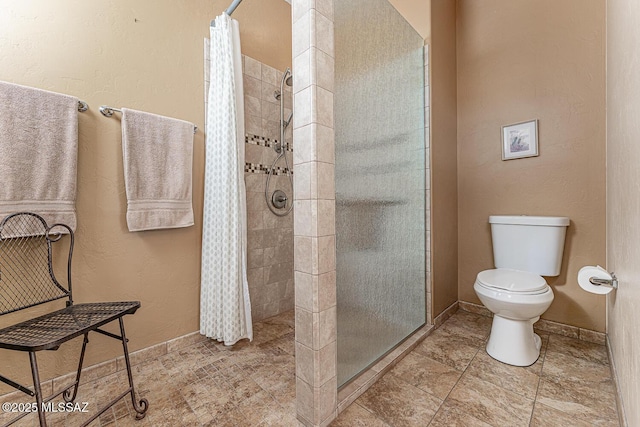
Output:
(380, 181)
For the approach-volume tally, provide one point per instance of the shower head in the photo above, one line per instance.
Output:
(287, 78)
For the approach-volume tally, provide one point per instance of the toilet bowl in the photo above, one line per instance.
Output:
(517, 299)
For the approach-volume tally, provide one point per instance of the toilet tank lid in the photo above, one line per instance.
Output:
(558, 221)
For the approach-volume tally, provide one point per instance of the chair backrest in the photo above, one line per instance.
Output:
(27, 277)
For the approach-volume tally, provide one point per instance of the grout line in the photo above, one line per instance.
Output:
(535, 399)
(371, 412)
(456, 384)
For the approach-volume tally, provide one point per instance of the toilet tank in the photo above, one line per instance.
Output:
(529, 243)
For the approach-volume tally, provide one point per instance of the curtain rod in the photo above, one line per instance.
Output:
(232, 7)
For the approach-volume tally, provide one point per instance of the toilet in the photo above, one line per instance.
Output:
(525, 248)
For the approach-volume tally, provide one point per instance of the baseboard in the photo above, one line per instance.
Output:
(622, 419)
(447, 313)
(546, 325)
(103, 369)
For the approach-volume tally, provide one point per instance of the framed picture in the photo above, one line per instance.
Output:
(520, 140)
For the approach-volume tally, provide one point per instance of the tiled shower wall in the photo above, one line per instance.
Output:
(269, 237)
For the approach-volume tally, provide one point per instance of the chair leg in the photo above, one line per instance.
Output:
(143, 405)
(37, 388)
(67, 395)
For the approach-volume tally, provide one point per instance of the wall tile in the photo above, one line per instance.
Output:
(324, 70)
(324, 107)
(326, 400)
(267, 93)
(299, 8)
(254, 239)
(252, 86)
(301, 66)
(304, 138)
(326, 254)
(326, 291)
(325, 144)
(327, 327)
(325, 7)
(271, 75)
(304, 290)
(304, 106)
(302, 34)
(326, 217)
(252, 106)
(326, 187)
(252, 68)
(255, 258)
(323, 33)
(304, 327)
(304, 400)
(304, 222)
(327, 369)
(302, 181)
(306, 367)
(271, 112)
(253, 125)
(303, 254)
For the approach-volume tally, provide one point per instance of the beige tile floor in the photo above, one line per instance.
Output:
(448, 380)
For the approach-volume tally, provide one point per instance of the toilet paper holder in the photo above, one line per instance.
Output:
(609, 283)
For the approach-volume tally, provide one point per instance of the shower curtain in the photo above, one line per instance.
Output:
(225, 309)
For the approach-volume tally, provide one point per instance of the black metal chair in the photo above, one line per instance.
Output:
(27, 279)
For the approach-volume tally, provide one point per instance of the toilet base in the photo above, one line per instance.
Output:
(513, 341)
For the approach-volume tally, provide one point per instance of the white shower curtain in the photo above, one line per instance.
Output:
(225, 309)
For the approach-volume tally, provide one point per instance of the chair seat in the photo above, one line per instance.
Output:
(49, 331)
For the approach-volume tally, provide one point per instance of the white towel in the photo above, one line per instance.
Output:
(158, 158)
(38, 153)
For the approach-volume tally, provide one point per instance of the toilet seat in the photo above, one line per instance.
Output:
(512, 281)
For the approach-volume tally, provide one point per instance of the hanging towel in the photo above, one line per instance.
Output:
(38, 153)
(158, 157)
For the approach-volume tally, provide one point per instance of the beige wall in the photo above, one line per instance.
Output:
(149, 56)
(265, 29)
(417, 13)
(444, 199)
(623, 197)
(523, 60)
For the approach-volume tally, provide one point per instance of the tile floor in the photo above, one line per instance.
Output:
(448, 380)
(206, 384)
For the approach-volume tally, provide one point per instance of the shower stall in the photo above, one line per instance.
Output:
(380, 175)
(267, 170)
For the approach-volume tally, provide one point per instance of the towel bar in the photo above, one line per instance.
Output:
(82, 106)
(108, 112)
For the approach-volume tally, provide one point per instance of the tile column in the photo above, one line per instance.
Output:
(314, 204)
